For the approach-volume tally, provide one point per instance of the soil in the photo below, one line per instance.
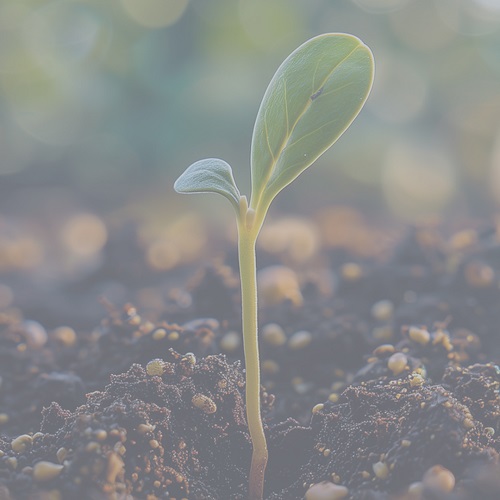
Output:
(382, 385)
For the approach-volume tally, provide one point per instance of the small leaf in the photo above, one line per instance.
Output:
(209, 176)
(312, 99)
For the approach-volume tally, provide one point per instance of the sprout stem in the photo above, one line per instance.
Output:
(247, 237)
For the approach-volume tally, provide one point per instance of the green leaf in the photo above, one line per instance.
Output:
(311, 100)
(209, 176)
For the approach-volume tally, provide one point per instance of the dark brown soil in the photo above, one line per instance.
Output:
(367, 388)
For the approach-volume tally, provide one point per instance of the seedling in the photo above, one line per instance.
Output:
(311, 100)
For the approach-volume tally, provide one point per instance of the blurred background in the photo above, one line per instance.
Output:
(104, 104)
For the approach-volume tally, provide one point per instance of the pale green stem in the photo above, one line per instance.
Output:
(247, 236)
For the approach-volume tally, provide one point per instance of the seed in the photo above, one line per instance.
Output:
(21, 443)
(144, 428)
(45, 471)
(173, 336)
(277, 284)
(479, 275)
(419, 335)
(382, 310)
(36, 335)
(318, 408)
(61, 454)
(155, 367)
(114, 468)
(381, 470)
(383, 350)
(326, 491)
(65, 335)
(204, 403)
(270, 367)
(230, 342)
(351, 271)
(439, 478)
(416, 488)
(273, 334)
(468, 423)
(159, 333)
(397, 363)
(299, 340)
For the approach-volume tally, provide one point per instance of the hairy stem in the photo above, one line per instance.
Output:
(246, 252)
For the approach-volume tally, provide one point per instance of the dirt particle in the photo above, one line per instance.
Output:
(416, 380)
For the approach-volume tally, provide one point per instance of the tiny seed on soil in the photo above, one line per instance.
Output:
(159, 334)
(21, 443)
(326, 491)
(173, 336)
(318, 408)
(65, 335)
(382, 310)
(45, 471)
(419, 335)
(381, 470)
(230, 342)
(273, 334)
(299, 340)
(204, 403)
(155, 368)
(439, 478)
(351, 271)
(397, 363)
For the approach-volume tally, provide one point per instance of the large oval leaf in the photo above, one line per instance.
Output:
(209, 176)
(311, 100)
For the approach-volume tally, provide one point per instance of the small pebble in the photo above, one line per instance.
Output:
(397, 363)
(326, 491)
(439, 478)
(299, 340)
(45, 471)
